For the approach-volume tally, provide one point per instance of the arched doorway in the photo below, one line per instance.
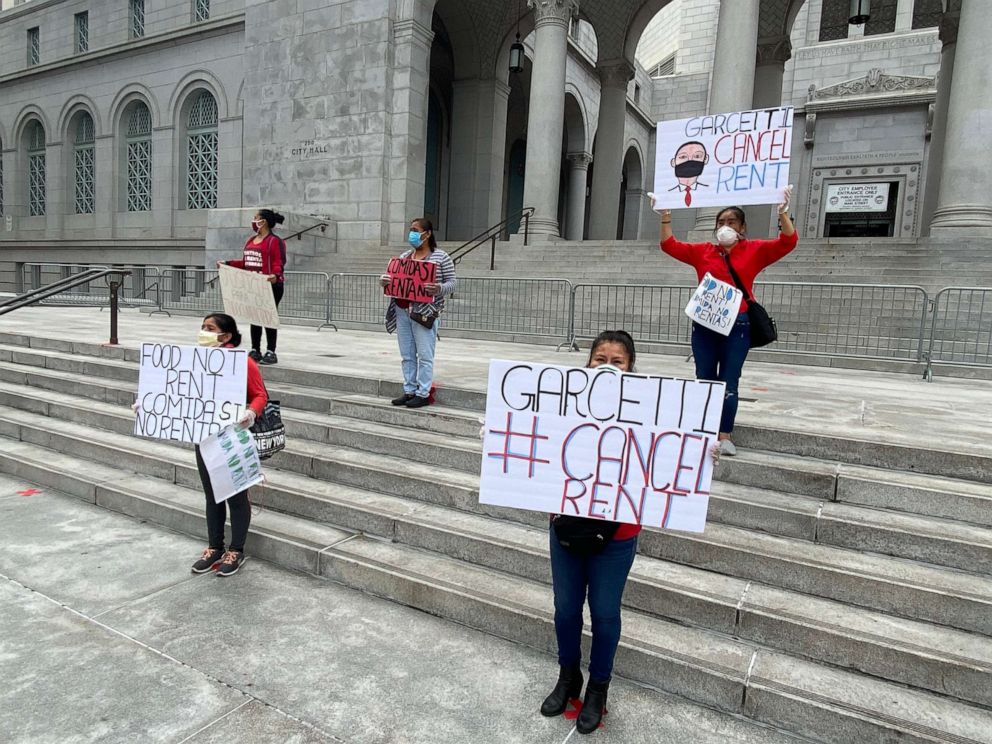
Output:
(631, 196)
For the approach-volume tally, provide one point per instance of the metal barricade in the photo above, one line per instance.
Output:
(961, 328)
(183, 289)
(356, 299)
(139, 287)
(651, 313)
(307, 297)
(854, 320)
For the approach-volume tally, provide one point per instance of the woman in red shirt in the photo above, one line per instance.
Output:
(265, 253)
(222, 330)
(604, 575)
(720, 357)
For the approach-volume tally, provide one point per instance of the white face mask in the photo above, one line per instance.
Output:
(726, 236)
(207, 338)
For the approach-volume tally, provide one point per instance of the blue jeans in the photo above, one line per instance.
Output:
(417, 354)
(720, 357)
(605, 576)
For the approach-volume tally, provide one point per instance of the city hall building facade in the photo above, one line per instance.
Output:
(141, 131)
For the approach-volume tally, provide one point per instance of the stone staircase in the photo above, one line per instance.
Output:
(842, 590)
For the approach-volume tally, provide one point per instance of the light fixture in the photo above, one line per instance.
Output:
(860, 12)
(517, 49)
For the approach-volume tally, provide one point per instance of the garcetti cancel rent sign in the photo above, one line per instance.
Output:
(599, 443)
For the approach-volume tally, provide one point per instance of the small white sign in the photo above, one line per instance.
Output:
(248, 297)
(232, 461)
(599, 443)
(715, 305)
(857, 197)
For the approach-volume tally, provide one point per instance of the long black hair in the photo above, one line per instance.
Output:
(615, 337)
(738, 213)
(227, 324)
(427, 226)
(271, 218)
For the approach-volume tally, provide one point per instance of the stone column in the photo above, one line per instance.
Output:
(732, 81)
(58, 181)
(964, 205)
(106, 178)
(578, 175)
(497, 155)
(938, 132)
(605, 205)
(768, 78)
(545, 124)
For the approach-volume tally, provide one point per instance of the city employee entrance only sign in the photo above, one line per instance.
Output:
(720, 160)
(600, 443)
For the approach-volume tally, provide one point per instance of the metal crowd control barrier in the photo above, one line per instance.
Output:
(492, 305)
(961, 328)
(139, 286)
(651, 313)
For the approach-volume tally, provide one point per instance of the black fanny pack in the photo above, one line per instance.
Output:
(581, 535)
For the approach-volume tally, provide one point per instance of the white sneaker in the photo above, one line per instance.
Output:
(727, 448)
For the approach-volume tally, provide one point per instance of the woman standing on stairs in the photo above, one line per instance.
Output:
(415, 323)
(603, 575)
(720, 357)
(222, 330)
(265, 253)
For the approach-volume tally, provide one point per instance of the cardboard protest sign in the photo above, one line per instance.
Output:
(721, 159)
(407, 278)
(232, 461)
(188, 393)
(598, 443)
(715, 305)
(248, 297)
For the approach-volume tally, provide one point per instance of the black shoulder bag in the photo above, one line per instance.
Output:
(581, 535)
(269, 430)
(763, 328)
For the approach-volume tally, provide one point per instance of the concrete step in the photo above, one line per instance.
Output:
(904, 587)
(829, 704)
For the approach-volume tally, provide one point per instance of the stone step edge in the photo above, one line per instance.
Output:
(269, 545)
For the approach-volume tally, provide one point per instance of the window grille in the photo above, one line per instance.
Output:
(201, 153)
(201, 10)
(85, 165)
(927, 13)
(138, 146)
(34, 46)
(36, 169)
(82, 32)
(137, 14)
(883, 17)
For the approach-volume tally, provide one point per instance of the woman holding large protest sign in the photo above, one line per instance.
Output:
(265, 253)
(737, 261)
(222, 330)
(415, 320)
(600, 570)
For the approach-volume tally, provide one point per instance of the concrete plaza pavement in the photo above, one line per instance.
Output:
(105, 636)
(892, 408)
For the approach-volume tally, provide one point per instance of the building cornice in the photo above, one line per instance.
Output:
(874, 90)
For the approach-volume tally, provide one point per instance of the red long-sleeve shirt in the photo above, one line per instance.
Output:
(264, 257)
(748, 257)
(258, 396)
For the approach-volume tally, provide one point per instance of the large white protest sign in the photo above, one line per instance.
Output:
(597, 443)
(188, 393)
(721, 159)
(232, 461)
(715, 305)
(248, 297)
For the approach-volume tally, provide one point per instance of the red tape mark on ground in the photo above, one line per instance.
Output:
(29, 492)
(575, 707)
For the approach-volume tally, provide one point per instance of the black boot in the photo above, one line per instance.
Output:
(593, 707)
(569, 686)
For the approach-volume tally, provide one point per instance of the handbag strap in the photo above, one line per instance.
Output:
(737, 279)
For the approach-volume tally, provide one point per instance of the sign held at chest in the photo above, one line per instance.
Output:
(408, 277)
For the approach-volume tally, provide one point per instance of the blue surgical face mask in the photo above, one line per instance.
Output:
(414, 239)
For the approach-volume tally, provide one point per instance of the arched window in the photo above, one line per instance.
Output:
(36, 168)
(138, 157)
(201, 152)
(84, 170)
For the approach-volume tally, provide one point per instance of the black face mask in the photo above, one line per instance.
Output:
(689, 169)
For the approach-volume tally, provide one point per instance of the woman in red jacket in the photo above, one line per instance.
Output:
(222, 330)
(265, 253)
(720, 357)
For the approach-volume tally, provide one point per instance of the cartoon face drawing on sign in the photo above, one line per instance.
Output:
(688, 164)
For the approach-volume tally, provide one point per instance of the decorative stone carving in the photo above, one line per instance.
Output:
(615, 74)
(774, 50)
(875, 82)
(558, 12)
(809, 134)
(854, 48)
(579, 160)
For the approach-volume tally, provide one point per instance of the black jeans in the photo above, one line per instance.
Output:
(271, 334)
(217, 513)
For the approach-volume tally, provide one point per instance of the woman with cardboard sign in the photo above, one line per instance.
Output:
(735, 261)
(415, 306)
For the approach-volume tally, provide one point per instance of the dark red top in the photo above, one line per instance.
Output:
(258, 396)
(264, 257)
(627, 531)
(748, 257)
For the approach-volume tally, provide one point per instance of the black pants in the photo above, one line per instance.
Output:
(271, 334)
(217, 513)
